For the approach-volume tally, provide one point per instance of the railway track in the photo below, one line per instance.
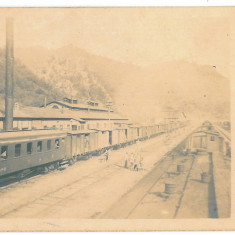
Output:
(184, 187)
(66, 191)
(13, 181)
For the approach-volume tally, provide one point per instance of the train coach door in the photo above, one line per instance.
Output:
(110, 137)
(87, 142)
(74, 146)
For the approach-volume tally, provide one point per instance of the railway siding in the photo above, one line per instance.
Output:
(196, 195)
(158, 204)
(222, 182)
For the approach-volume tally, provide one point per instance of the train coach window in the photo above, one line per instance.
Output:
(39, 146)
(29, 148)
(48, 144)
(4, 153)
(57, 143)
(17, 150)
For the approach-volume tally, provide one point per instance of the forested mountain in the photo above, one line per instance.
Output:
(138, 92)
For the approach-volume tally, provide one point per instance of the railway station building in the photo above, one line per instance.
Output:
(96, 115)
(62, 118)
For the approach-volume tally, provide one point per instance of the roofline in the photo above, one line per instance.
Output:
(67, 118)
(111, 119)
(208, 132)
(81, 108)
(44, 118)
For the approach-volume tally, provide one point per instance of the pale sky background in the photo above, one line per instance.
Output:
(143, 36)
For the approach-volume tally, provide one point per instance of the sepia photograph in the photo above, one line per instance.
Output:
(110, 116)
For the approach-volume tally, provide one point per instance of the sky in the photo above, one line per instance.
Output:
(142, 36)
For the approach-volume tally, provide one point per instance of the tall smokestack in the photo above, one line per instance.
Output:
(9, 76)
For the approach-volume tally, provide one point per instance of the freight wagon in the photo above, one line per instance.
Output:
(46, 149)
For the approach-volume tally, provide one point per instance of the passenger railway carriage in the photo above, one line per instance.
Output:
(30, 149)
(45, 149)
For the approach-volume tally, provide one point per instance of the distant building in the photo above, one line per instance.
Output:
(173, 115)
(96, 115)
(64, 117)
(29, 118)
(72, 104)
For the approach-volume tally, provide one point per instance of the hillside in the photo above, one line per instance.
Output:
(139, 92)
(29, 89)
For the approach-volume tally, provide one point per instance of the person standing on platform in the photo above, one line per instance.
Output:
(106, 155)
(126, 160)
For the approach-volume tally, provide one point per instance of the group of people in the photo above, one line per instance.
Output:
(134, 160)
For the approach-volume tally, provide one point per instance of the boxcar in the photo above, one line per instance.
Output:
(115, 135)
(122, 138)
(29, 149)
(80, 143)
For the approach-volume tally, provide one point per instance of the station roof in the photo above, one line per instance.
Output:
(80, 106)
(200, 132)
(40, 113)
(30, 135)
(48, 113)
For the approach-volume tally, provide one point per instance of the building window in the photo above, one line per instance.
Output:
(39, 146)
(57, 143)
(212, 138)
(88, 126)
(48, 144)
(82, 127)
(29, 148)
(55, 107)
(17, 150)
(79, 128)
(4, 153)
(74, 127)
